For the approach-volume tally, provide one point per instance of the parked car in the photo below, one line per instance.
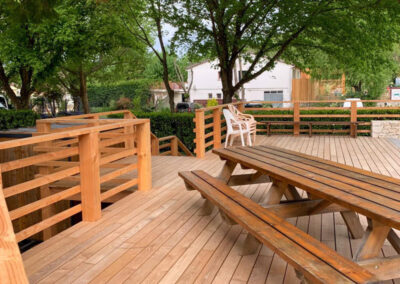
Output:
(184, 107)
(347, 103)
(3, 102)
(254, 104)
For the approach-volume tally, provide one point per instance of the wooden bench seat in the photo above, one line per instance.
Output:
(314, 260)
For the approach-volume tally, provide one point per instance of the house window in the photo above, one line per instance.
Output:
(218, 96)
(243, 72)
(210, 95)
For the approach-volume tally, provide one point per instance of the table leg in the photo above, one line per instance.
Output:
(353, 224)
(394, 240)
(373, 240)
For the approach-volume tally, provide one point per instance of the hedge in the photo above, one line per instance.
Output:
(102, 95)
(166, 124)
(11, 119)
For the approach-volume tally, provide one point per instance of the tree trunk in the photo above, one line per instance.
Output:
(227, 87)
(171, 93)
(21, 102)
(358, 87)
(83, 91)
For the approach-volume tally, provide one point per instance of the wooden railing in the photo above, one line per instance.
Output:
(170, 146)
(210, 126)
(77, 160)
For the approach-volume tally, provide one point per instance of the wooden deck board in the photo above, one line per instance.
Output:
(160, 236)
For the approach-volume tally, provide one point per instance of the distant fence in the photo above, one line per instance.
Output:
(210, 126)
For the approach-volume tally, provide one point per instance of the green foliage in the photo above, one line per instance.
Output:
(166, 123)
(107, 95)
(11, 119)
(212, 102)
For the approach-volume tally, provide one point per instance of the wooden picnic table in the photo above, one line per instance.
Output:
(330, 187)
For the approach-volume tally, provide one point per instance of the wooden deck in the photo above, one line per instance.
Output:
(159, 236)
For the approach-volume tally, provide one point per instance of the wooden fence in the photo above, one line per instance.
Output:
(78, 159)
(210, 126)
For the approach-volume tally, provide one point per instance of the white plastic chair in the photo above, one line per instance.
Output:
(236, 127)
(247, 118)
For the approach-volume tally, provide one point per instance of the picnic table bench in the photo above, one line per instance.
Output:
(309, 124)
(330, 187)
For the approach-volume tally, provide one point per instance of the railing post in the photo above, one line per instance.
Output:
(89, 161)
(296, 118)
(44, 127)
(144, 155)
(174, 146)
(129, 143)
(200, 133)
(240, 106)
(155, 145)
(353, 118)
(217, 127)
(12, 268)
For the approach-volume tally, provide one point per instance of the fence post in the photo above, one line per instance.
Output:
(174, 146)
(296, 118)
(217, 127)
(353, 118)
(144, 155)
(200, 133)
(89, 163)
(12, 267)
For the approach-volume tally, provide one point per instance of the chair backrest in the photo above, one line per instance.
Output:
(229, 119)
(235, 112)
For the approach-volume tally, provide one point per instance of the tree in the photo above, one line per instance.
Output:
(93, 39)
(262, 32)
(146, 18)
(28, 53)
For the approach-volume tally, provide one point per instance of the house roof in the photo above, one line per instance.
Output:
(161, 86)
(207, 60)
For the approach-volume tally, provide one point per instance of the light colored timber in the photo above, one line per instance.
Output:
(11, 265)
(144, 155)
(89, 158)
(28, 185)
(48, 222)
(34, 160)
(118, 189)
(172, 234)
(43, 202)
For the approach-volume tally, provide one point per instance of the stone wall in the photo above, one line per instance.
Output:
(385, 128)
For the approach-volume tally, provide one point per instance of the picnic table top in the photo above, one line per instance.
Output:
(373, 195)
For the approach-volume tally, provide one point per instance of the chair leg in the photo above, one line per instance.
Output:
(241, 138)
(226, 140)
(249, 138)
(232, 138)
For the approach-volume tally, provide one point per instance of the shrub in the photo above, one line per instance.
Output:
(212, 102)
(10, 119)
(124, 103)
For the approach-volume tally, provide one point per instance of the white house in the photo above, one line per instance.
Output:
(273, 85)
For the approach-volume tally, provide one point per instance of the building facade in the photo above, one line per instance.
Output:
(273, 85)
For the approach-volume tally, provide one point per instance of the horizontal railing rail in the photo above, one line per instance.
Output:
(88, 164)
(210, 126)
